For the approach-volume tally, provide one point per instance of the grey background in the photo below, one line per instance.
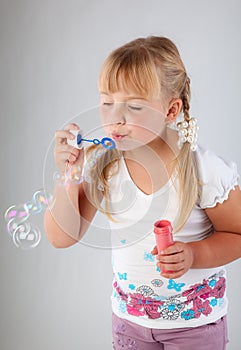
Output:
(51, 52)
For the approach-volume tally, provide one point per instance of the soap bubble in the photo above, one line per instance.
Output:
(144, 208)
(26, 236)
(42, 199)
(12, 226)
(33, 207)
(74, 175)
(19, 213)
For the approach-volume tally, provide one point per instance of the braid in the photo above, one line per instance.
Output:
(187, 171)
(185, 96)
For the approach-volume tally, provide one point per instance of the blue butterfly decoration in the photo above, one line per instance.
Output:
(132, 286)
(122, 276)
(177, 286)
(149, 257)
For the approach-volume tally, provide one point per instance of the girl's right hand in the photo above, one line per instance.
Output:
(64, 154)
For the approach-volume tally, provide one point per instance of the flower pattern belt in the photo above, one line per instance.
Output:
(199, 299)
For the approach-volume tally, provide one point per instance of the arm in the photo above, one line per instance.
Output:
(62, 221)
(222, 247)
(68, 220)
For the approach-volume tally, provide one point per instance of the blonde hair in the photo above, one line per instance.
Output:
(151, 67)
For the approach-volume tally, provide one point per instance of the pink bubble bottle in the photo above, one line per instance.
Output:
(163, 233)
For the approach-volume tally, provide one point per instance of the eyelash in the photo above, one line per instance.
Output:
(131, 107)
(135, 108)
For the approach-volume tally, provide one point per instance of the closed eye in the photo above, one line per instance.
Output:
(107, 104)
(135, 108)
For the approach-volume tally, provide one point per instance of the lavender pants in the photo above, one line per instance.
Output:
(128, 335)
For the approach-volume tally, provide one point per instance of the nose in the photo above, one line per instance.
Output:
(118, 114)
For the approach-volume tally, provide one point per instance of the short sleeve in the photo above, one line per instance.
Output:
(217, 178)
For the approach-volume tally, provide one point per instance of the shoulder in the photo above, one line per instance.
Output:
(209, 163)
(216, 175)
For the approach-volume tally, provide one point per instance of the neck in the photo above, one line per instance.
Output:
(161, 148)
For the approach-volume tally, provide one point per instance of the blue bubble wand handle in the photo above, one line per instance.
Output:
(106, 142)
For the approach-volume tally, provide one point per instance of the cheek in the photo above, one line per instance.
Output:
(150, 126)
(103, 116)
(105, 120)
(144, 134)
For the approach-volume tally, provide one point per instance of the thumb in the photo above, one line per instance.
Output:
(154, 251)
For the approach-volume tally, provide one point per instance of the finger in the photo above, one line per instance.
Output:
(75, 152)
(173, 249)
(61, 136)
(173, 275)
(80, 156)
(171, 259)
(66, 157)
(71, 126)
(154, 251)
(171, 267)
(66, 148)
(76, 158)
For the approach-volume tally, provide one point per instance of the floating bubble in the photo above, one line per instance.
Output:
(56, 176)
(16, 216)
(26, 237)
(12, 225)
(42, 199)
(34, 207)
(74, 175)
(19, 213)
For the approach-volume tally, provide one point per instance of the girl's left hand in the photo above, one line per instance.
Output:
(175, 260)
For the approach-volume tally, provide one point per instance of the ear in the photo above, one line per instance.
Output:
(174, 109)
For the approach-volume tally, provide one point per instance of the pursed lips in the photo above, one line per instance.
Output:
(117, 136)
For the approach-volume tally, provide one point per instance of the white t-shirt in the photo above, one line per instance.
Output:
(140, 293)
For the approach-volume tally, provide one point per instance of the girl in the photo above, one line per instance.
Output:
(178, 301)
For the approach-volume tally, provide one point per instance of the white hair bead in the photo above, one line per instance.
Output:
(187, 132)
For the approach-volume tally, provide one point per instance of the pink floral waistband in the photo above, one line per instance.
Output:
(199, 299)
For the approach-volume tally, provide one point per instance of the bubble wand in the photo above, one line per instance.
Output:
(106, 142)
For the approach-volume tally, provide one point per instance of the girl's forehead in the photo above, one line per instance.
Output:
(133, 81)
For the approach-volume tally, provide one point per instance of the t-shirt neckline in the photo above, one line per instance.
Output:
(163, 189)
